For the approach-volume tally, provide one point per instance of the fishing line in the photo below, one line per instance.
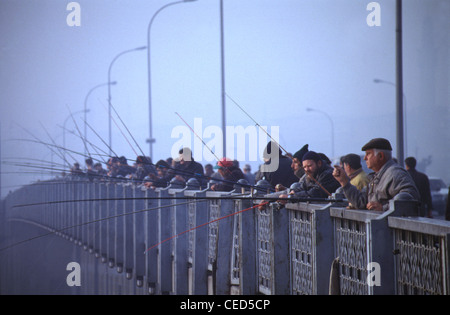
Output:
(53, 231)
(204, 224)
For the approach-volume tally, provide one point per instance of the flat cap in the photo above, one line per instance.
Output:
(377, 143)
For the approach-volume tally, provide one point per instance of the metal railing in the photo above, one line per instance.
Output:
(128, 239)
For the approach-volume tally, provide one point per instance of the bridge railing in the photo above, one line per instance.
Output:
(132, 240)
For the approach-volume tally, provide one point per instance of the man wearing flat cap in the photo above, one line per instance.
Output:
(389, 180)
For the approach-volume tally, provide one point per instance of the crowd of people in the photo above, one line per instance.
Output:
(304, 174)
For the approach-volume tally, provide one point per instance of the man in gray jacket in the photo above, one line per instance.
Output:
(389, 180)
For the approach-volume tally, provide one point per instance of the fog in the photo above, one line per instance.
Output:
(281, 57)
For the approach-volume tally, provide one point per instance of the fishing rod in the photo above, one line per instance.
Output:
(218, 160)
(5, 160)
(95, 147)
(179, 171)
(223, 197)
(42, 142)
(54, 143)
(79, 132)
(56, 146)
(54, 231)
(279, 145)
(112, 151)
(127, 130)
(198, 136)
(205, 224)
(256, 123)
(126, 139)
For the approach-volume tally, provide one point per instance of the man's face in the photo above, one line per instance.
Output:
(347, 169)
(311, 167)
(296, 164)
(184, 158)
(373, 161)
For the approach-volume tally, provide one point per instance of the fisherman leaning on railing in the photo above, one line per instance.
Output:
(389, 180)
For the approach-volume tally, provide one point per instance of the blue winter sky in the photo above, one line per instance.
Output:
(281, 57)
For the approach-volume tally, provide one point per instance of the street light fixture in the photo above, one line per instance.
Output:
(109, 90)
(332, 128)
(150, 140)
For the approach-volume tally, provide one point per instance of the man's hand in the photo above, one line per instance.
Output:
(340, 175)
(283, 196)
(180, 178)
(374, 205)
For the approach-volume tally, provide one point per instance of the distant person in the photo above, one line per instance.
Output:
(144, 168)
(282, 174)
(296, 164)
(125, 169)
(76, 170)
(249, 176)
(423, 185)
(353, 168)
(90, 171)
(209, 170)
(101, 172)
(388, 182)
(231, 174)
(187, 168)
(163, 177)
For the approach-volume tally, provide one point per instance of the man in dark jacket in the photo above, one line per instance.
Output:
(277, 167)
(187, 168)
(423, 185)
(318, 181)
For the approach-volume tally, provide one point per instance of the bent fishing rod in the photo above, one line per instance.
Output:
(176, 171)
(126, 179)
(42, 142)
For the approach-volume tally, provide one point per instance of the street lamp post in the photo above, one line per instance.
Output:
(332, 127)
(150, 140)
(109, 91)
(85, 105)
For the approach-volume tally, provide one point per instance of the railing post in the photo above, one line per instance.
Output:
(129, 235)
(281, 256)
(248, 272)
(164, 250)
(139, 235)
(151, 237)
(198, 239)
(180, 256)
(224, 248)
(119, 256)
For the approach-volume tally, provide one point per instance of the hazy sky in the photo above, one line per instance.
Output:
(281, 57)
